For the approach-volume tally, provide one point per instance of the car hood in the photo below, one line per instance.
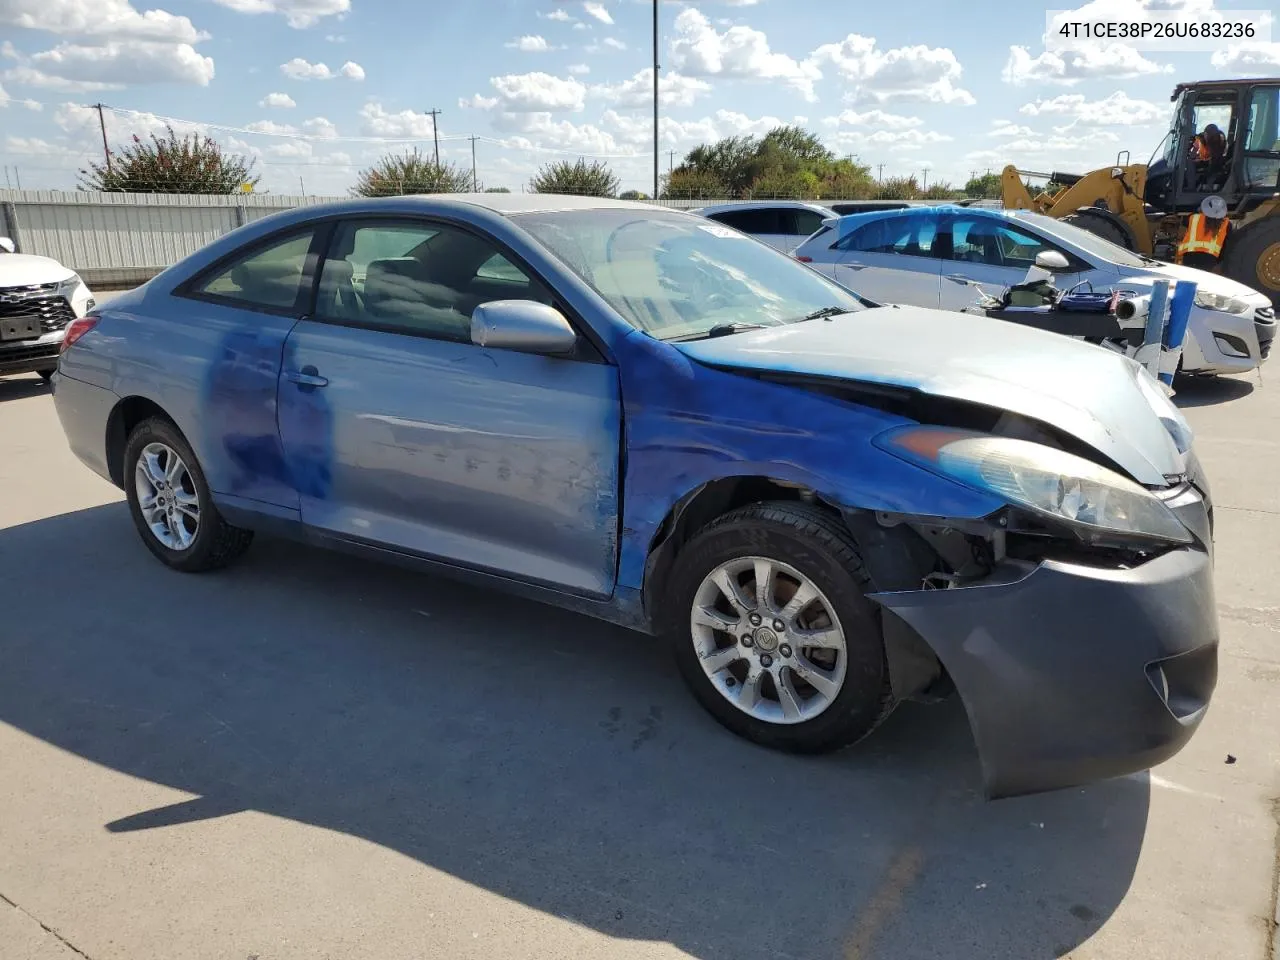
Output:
(1203, 279)
(1089, 392)
(23, 269)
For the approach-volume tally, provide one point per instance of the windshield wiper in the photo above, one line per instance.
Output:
(822, 313)
(719, 330)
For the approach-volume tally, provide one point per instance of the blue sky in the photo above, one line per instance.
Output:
(316, 89)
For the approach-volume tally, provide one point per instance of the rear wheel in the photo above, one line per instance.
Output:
(1254, 257)
(171, 504)
(45, 375)
(772, 630)
(1102, 226)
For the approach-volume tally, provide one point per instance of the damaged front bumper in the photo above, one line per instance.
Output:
(1073, 673)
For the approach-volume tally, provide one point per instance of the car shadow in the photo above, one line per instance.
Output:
(19, 387)
(1206, 391)
(543, 756)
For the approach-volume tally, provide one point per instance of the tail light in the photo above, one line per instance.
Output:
(805, 259)
(77, 329)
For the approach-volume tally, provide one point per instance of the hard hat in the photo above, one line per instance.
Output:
(1214, 207)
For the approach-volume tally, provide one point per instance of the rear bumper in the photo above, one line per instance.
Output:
(84, 410)
(30, 356)
(1071, 674)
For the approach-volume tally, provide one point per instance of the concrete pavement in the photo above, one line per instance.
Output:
(313, 756)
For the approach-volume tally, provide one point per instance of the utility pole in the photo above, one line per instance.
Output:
(17, 176)
(102, 125)
(475, 184)
(655, 99)
(880, 173)
(924, 184)
(435, 133)
(301, 185)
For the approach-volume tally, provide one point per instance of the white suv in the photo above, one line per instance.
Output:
(783, 224)
(38, 298)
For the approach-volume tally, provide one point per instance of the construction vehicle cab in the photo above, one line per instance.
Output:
(1241, 163)
(1223, 139)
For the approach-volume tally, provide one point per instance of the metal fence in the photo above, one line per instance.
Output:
(122, 239)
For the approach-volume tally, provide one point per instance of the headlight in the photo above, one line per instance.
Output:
(68, 287)
(1220, 302)
(1052, 483)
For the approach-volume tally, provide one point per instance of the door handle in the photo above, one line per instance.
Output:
(956, 278)
(307, 379)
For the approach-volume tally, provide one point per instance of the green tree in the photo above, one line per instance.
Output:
(581, 178)
(497, 190)
(725, 162)
(684, 184)
(397, 174)
(985, 187)
(899, 188)
(780, 183)
(169, 164)
(847, 180)
(942, 191)
(633, 195)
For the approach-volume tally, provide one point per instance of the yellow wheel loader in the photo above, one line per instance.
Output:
(1144, 207)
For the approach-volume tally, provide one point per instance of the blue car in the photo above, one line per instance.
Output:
(828, 507)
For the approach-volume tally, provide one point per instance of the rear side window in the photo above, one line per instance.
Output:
(807, 222)
(266, 278)
(908, 235)
(751, 221)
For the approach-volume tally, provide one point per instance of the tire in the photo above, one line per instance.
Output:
(45, 375)
(1102, 225)
(213, 543)
(808, 542)
(1255, 257)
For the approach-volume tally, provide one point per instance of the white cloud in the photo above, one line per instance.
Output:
(1111, 62)
(271, 127)
(298, 13)
(674, 90)
(539, 129)
(873, 118)
(282, 100)
(1003, 128)
(478, 102)
(1118, 109)
(918, 73)
(699, 50)
(379, 122)
(893, 140)
(290, 150)
(1039, 151)
(531, 92)
(614, 42)
(740, 123)
(320, 127)
(108, 19)
(5, 100)
(579, 25)
(300, 69)
(26, 76)
(126, 62)
(76, 118)
(598, 11)
(579, 68)
(557, 14)
(1253, 59)
(639, 130)
(34, 146)
(529, 44)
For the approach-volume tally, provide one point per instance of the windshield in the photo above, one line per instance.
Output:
(1089, 242)
(675, 275)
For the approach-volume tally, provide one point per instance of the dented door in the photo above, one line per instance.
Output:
(495, 460)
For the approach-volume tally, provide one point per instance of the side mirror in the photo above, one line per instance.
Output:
(1052, 260)
(522, 325)
(7, 245)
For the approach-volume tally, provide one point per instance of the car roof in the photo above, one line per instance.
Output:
(763, 205)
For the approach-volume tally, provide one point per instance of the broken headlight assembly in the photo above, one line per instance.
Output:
(1095, 503)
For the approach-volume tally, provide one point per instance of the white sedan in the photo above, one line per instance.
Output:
(38, 298)
(938, 256)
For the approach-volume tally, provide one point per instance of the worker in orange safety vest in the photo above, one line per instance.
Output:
(1206, 236)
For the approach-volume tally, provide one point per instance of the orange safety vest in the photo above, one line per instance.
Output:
(1200, 149)
(1198, 239)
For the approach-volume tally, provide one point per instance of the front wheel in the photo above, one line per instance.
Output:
(45, 375)
(171, 504)
(773, 632)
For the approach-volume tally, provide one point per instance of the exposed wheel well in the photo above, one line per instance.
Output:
(128, 413)
(895, 558)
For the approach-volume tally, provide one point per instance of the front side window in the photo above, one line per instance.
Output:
(266, 278)
(675, 275)
(905, 234)
(1262, 142)
(416, 277)
(988, 241)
